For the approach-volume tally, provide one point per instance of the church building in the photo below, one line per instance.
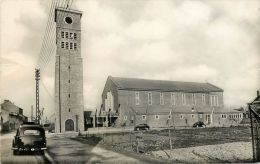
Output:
(157, 103)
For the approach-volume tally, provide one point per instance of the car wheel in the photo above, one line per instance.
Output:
(16, 152)
(41, 152)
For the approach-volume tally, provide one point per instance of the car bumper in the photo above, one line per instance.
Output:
(29, 149)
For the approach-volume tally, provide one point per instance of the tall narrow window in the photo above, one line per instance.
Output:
(67, 35)
(181, 116)
(75, 36)
(173, 99)
(125, 117)
(62, 34)
(161, 99)
(75, 46)
(71, 36)
(143, 117)
(62, 44)
(213, 100)
(193, 98)
(157, 117)
(71, 46)
(203, 99)
(183, 99)
(150, 98)
(216, 100)
(132, 119)
(137, 98)
(67, 45)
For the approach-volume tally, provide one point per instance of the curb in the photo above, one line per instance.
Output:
(49, 158)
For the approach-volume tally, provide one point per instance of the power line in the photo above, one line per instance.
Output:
(47, 30)
(50, 36)
(52, 49)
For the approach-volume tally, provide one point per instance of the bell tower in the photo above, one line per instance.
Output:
(68, 72)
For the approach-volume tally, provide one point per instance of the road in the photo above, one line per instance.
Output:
(63, 148)
(7, 154)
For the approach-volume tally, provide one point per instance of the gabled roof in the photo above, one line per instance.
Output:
(160, 85)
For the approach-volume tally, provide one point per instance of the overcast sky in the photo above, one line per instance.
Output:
(215, 41)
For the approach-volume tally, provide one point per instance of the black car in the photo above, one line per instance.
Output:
(199, 124)
(142, 127)
(29, 138)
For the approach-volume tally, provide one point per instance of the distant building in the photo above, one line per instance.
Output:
(11, 116)
(129, 101)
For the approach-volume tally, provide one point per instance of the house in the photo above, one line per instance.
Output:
(131, 101)
(11, 116)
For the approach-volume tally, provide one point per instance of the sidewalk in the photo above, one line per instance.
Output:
(63, 149)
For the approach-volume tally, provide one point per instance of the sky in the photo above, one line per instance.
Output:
(215, 41)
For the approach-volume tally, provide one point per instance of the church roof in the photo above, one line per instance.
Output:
(161, 85)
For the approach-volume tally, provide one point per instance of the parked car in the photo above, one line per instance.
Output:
(199, 124)
(29, 138)
(142, 127)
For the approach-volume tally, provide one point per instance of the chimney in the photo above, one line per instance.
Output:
(257, 93)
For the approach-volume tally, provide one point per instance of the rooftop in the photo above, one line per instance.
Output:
(161, 85)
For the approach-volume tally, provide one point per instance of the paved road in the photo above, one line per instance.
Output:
(7, 154)
(64, 149)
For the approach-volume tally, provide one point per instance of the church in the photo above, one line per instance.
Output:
(158, 103)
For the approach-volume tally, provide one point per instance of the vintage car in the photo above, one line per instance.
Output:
(142, 127)
(29, 138)
(199, 124)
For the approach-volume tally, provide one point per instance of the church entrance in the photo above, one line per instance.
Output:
(69, 125)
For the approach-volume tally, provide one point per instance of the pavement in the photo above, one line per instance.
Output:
(62, 148)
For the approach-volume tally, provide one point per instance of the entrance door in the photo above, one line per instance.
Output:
(208, 119)
(69, 125)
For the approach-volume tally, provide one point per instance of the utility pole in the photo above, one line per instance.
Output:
(31, 113)
(37, 79)
(41, 115)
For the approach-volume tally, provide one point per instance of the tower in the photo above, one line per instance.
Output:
(68, 71)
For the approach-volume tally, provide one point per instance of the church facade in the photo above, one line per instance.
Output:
(68, 71)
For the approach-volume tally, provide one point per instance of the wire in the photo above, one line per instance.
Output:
(52, 49)
(47, 31)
